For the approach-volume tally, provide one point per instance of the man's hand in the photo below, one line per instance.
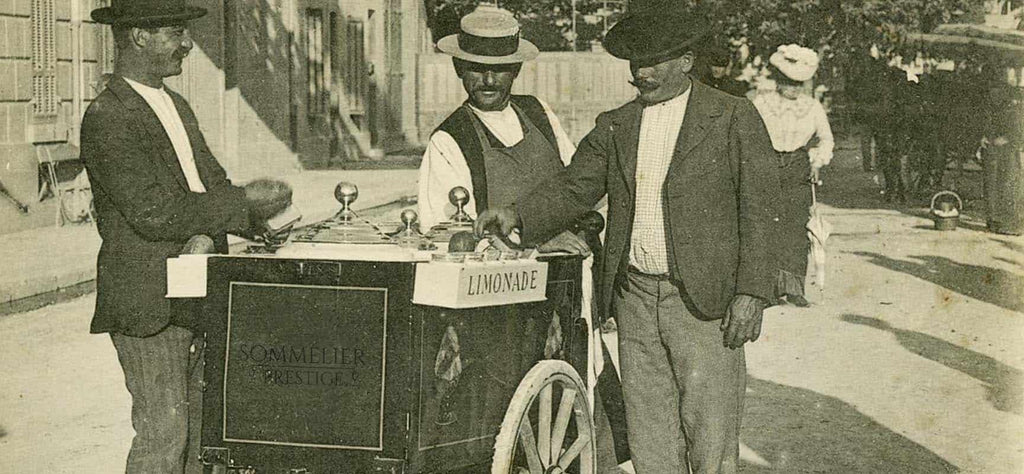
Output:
(199, 244)
(742, 321)
(566, 242)
(268, 197)
(501, 220)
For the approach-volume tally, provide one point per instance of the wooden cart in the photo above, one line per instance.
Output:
(325, 365)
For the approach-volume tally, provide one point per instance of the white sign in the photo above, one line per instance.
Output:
(477, 284)
(186, 276)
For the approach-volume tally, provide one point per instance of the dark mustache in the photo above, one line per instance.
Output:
(644, 84)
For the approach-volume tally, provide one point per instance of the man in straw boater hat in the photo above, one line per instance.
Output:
(499, 146)
(495, 144)
(690, 177)
(158, 192)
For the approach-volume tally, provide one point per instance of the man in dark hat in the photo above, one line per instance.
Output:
(158, 192)
(690, 177)
(718, 61)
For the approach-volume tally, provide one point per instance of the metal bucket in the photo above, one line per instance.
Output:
(946, 216)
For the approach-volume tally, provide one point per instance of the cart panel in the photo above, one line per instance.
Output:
(332, 361)
(472, 360)
(276, 326)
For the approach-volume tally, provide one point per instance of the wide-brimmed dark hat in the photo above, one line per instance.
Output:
(652, 37)
(146, 12)
(488, 35)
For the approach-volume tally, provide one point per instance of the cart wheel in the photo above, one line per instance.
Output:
(531, 440)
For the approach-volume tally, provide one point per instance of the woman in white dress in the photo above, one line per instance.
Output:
(801, 135)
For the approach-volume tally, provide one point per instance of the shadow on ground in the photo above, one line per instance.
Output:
(798, 430)
(1004, 384)
(1013, 246)
(991, 285)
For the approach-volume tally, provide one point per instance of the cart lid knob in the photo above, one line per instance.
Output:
(458, 196)
(346, 193)
(409, 217)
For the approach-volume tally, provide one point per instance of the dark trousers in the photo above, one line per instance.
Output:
(609, 418)
(683, 388)
(794, 206)
(164, 375)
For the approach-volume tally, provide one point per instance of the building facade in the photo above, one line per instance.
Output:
(278, 86)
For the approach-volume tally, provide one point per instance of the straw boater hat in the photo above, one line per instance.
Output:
(488, 35)
(654, 36)
(146, 12)
(795, 62)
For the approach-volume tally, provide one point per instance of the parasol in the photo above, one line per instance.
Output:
(818, 230)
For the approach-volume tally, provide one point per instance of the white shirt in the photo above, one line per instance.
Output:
(659, 130)
(792, 123)
(162, 104)
(444, 167)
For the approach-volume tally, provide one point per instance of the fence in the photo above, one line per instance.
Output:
(577, 86)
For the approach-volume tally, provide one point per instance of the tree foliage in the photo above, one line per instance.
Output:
(546, 23)
(842, 31)
(841, 27)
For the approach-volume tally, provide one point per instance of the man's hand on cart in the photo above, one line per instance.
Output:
(267, 197)
(566, 242)
(501, 220)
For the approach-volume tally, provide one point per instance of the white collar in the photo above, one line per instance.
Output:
(676, 101)
(139, 87)
(492, 113)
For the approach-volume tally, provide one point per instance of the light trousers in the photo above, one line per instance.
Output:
(683, 388)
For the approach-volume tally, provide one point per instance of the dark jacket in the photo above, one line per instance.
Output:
(718, 198)
(145, 210)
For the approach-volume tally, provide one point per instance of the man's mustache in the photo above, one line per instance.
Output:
(644, 84)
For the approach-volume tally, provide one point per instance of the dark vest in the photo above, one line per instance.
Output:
(460, 126)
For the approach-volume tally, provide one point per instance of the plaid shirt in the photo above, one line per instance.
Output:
(659, 129)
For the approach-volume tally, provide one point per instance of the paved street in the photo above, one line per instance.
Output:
(910, 360)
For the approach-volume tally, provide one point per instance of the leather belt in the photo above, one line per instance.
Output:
(659, 277)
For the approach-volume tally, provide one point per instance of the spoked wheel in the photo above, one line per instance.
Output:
(548, 428)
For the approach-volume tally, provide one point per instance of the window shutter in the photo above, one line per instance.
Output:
(45, 102)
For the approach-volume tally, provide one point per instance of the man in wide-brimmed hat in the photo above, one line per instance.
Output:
(158, 192)
(690, 177)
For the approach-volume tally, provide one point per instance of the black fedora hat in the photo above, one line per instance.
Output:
(652, 36)
(146, 12)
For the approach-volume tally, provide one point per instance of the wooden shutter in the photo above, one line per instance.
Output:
(45, 102)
